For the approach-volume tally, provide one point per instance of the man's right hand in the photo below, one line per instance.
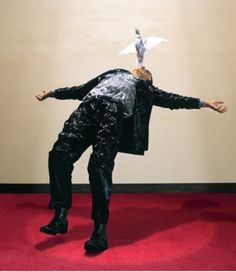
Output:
(42, 96)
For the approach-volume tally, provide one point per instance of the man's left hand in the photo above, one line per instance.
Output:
(218, 106)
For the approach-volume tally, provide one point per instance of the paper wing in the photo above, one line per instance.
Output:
(128, 50)
(151, 42)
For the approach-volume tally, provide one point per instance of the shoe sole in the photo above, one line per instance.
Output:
(47, 231)
(92, 248)
(53, 232)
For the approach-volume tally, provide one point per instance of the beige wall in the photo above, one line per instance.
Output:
(54, 43)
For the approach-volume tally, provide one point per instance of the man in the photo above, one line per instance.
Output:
(113, 116)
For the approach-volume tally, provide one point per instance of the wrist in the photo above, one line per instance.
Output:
(50, 93)
(202, 104)
(207, 104)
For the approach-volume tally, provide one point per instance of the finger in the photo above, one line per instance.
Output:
(220, 109)
(39, 97)
(223, 109)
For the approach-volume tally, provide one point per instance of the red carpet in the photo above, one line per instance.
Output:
(167, 231)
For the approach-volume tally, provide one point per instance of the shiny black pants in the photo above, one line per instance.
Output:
(96, 122)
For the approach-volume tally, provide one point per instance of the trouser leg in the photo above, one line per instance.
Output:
(72, 142)
(101, 161)
(101, 186)
(60, 169)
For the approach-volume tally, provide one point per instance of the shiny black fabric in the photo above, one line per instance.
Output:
(119, 86)
(96, 122)
(134, 138)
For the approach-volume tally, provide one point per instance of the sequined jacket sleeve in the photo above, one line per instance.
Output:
(174, 101)
(76, 92)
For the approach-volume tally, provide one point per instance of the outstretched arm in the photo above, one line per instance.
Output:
(176, 101)
(76, 92)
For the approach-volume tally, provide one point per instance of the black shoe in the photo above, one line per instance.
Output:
(59, 223)
(55, 227)
(98, 241)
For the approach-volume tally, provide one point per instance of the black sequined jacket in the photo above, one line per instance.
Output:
(134, 138)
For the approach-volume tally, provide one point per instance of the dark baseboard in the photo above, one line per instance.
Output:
(128, 188)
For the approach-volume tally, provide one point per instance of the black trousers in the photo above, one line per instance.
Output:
(97, 122)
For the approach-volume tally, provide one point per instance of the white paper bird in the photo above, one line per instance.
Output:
(140, 46)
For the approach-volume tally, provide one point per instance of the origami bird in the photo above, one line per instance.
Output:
(140, 46)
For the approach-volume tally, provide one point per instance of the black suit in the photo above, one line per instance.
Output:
(147, 95)
(100, 122)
